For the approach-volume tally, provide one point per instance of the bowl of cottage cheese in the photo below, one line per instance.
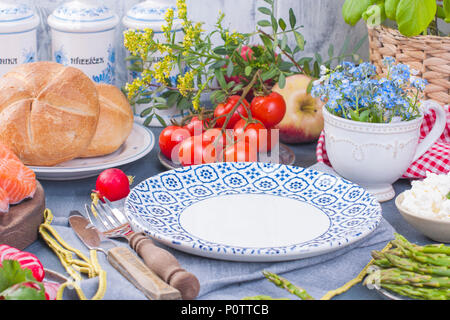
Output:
(426, 206)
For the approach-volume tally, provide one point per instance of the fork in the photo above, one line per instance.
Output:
(114, 224)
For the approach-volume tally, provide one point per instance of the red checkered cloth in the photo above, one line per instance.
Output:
(435, 160)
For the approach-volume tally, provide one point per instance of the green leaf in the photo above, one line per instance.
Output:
(274, 24)
(269, 2)
(264, 23)
(159, 100)
(285, 66)
(446, 5)
(136, 67)
(265, 11)
(448, 195)
(364, 116)
(184, 104)
(282, 81)
(22, 291)
(269, 74)
(132, 58)
(318, 58)
(267, 42)
(310, 85)
(316, 69)
(306, 67)
(248, 70)
(292, 18)
(218, 97)
(11, 273)
(284, 42)
(282, 24)
(300, 40)
(220, 78)
(331, 51)
(149, 120)
(390, 6)
(414, 16)
(144, 101)
(220, 50)
(354, 115)
(161, 120)
(161, 106)
(230, 69)
(218, 64)
(352, 10)
(146, 112)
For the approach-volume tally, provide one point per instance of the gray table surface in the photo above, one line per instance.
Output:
(62, 197)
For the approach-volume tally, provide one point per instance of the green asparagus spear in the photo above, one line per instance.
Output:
(285, 284)
(418, 293)
(436, 248)
(401, 277)
(380, 260)
(413, 266)
(420, 272)
(431, 248)
(427, 258)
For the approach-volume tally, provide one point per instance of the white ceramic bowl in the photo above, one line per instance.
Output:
(435, 229)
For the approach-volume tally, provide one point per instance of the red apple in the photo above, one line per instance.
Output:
(303, 121)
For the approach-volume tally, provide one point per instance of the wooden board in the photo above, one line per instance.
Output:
(19, 227)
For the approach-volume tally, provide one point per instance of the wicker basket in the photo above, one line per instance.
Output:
(430, 55)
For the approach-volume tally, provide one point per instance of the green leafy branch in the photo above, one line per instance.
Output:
(219, 70)
(413, 17)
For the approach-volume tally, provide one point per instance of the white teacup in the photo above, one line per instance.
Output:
(375, 155)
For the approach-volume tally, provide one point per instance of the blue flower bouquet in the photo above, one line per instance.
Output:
(356, 92)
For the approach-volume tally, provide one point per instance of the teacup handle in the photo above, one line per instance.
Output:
(436, 132)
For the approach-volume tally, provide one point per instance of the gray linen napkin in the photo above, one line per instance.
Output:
(225, 280)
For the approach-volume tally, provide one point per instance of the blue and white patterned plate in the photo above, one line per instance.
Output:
(252, 211)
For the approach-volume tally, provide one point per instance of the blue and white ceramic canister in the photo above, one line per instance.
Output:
(150, 15)
(83, 34)
(18, 42)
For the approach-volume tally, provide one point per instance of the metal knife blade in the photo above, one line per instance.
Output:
(88, 233)
(123, 259)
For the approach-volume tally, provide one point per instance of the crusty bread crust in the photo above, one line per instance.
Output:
(48, 112)
(115, 122)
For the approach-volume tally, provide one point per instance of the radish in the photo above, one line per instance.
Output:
(113, 184)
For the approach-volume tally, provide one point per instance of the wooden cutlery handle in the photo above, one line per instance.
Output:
(165, 265)
(132, 268)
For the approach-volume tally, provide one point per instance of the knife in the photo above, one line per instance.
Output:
(123, 259)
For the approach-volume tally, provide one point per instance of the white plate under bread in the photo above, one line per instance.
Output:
(139, 144)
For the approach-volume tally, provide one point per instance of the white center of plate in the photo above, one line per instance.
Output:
(254, 220)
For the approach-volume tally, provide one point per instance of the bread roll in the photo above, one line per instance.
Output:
(115, 122)
(48, 112)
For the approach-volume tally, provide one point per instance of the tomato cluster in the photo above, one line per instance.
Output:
(236, 137)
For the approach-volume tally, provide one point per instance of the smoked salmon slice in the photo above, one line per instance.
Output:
(17, 180)
(4, 201)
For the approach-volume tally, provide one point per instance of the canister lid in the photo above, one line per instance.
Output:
(16, 18)
(83, 16)
(150, 14)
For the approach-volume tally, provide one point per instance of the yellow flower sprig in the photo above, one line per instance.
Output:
(189, 49)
